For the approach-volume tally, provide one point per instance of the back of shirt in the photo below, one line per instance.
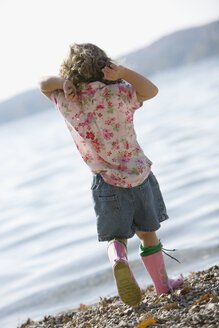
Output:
(101, 124)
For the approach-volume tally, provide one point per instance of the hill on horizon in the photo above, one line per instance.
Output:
(177, 49)
(180, 48)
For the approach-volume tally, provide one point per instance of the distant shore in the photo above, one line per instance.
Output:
(195, 304)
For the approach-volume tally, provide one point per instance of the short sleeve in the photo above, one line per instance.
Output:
(63, 105)
(126, 95)
(55, 96)
(132, 97)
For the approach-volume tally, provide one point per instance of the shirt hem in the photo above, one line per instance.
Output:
(127, 184)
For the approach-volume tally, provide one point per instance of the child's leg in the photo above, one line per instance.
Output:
(127, 286)
(147, 238)
(152, 257)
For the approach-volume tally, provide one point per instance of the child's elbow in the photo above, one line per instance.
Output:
(42, 84)
(45, 83)
(155, 92)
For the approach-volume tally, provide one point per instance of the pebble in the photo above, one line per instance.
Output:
(195, 304)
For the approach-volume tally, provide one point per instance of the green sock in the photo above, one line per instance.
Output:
(145, 251)
(117, 239)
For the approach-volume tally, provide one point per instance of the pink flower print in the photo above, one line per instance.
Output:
(86, 122)
(122, 167)
(99, 158)
(96, 145)
(106, 93)
(120, 104)
(140, 165)
(137, 149)
(77, 116)
(135, 107)
(87, 157)
(99, 107)
(129, 118)
(124, 159)
(108, 122)
(107, 135)
(110, 103)
(129, 185)
(114, 160)
(90, 135)
(117, 125)
(115, 144)
(89, 91)
(109, 153)
(90, 115)
(121, 89)
(115, 178)
(130, 94)
(126, 145)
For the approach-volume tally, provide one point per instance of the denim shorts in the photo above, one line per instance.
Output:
(120, 212)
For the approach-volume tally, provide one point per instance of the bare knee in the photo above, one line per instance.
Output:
(148, 238)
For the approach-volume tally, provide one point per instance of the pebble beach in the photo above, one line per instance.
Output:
(194, 304)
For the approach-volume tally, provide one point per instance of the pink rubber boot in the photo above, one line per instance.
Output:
(155, 266)
(127, 286)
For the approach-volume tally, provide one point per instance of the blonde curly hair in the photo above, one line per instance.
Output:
(84, 63)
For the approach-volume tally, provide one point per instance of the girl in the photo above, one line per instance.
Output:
(98, 100)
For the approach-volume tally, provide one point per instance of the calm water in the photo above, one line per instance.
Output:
(50, 259)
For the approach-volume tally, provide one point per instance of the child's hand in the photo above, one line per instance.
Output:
(113, 73)
(70, 91)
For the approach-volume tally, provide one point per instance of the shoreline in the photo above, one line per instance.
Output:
(194, 304)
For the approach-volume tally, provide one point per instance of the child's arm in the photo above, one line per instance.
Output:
(144, 88)
(52, 83)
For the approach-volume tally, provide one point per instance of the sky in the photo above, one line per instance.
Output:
(36, 34)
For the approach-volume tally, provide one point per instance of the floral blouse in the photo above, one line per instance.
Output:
(101, 124)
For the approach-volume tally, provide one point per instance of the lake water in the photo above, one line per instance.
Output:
(50, 259)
